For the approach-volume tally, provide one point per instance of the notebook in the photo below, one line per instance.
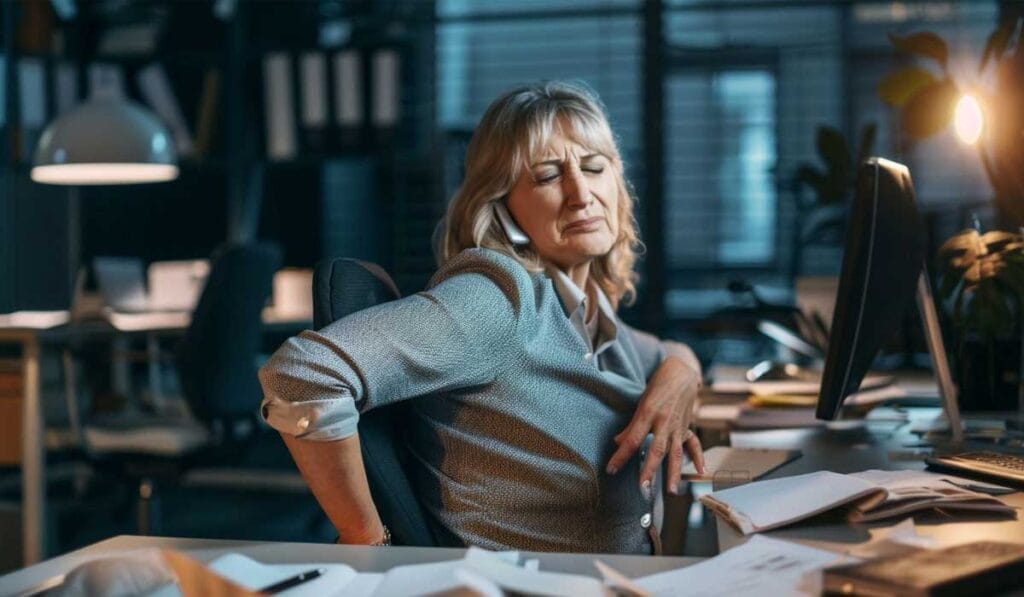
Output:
(866, 496)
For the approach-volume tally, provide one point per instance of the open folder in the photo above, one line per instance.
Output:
(867, 496)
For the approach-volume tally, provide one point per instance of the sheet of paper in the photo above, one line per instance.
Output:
(516, 580)
(735, 465)
(254, 575)
(36, 320)
(772, 503)
(893, 541)
(761, 566)
(618, 582)
(925, 479)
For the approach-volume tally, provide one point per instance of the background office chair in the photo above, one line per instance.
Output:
(217, 363)
(342, 287)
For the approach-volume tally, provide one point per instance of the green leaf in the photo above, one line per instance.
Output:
(832, 148)
(897, 88)
(925, 44)
(809, 175)
(930, 110)
(996, 44)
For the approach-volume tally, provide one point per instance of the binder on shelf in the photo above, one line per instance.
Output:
(137, 39)
(386, 88)
(313, 70)
(209, 102)
(348, 97)
(279, 106)
(32, 99)
(106, 81)
(157, 91)
(65, 87)
(3, 90)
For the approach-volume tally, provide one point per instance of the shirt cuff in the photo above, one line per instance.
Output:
(316, 420)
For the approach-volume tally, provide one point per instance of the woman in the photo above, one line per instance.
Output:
(530, 398)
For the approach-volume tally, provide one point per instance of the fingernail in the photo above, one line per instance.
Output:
(645, 488)
(611, 470)
(674, 488)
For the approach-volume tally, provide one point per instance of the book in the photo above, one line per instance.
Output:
(978, 568)
(348, 97)
(866, 496)
(386, 88)
(313, 71)
(157, 90)
(106, 81)
(206, 123)
(32, 95)
(65, 87)
(279, 107)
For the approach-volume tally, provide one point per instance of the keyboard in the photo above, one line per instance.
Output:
(1006, 467)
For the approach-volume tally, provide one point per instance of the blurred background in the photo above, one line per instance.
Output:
(328, 128)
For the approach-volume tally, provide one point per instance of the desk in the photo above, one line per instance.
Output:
(878, 445)
(363, 559)
(33, 456)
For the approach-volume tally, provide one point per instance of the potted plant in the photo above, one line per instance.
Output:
(982, 275)
(927, 97)
(982, 283)
(823, 219)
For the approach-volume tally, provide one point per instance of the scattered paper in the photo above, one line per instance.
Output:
(618, 582)
(893, 541)
(761, 566)
(254, 575)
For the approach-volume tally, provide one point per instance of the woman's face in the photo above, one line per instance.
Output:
(566, 202)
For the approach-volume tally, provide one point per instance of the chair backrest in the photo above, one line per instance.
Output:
(342, 287)
(218, 358)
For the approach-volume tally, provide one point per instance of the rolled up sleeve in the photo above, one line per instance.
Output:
(449, 337)
(308, 391)
(652, 351)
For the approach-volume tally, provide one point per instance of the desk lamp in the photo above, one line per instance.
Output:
(104, 141)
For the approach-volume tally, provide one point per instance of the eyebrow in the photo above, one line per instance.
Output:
(557, 161)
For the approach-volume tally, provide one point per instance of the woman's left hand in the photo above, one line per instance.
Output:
(665, 409)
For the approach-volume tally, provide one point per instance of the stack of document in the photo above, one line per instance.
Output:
(867, 496)
(480, 572)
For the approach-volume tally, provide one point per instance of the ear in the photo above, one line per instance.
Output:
(515, 234)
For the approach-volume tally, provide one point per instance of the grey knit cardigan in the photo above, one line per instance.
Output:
(511, 419)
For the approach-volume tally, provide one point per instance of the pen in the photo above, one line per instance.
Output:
(292, 581)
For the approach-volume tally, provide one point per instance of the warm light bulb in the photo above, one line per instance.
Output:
(968, 119)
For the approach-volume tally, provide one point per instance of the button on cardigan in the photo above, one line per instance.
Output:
(510, 424)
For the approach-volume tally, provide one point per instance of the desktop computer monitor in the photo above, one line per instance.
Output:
(883, 268)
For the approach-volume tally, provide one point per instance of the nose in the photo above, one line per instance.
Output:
(576, 189)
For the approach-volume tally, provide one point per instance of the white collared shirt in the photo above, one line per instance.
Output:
(602, 329)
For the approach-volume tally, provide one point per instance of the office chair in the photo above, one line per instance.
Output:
(217, 362)
(341, 287)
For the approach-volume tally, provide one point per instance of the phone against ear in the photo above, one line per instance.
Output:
(515, 234)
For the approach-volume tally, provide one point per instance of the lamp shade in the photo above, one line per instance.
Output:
(102, 142)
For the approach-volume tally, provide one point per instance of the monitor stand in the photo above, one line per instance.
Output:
(990, 430)
(940, 362)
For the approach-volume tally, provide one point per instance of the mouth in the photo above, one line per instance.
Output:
(585, 225)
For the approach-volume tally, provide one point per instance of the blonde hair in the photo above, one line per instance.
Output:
(515, 129)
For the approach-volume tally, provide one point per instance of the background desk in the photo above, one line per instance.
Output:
(363, 559)
(874, 445)
(33, 451)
